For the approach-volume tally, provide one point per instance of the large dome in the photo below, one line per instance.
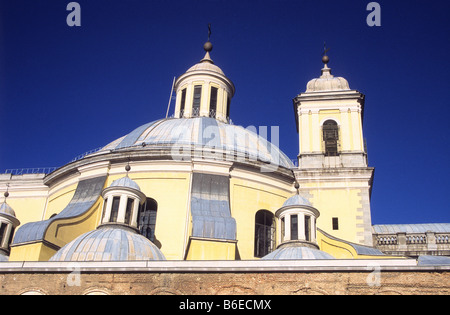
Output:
(109, 243)
(202, 134)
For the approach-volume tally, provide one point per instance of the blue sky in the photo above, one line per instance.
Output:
(66, 90)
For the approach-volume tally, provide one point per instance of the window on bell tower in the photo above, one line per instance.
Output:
(331, 137)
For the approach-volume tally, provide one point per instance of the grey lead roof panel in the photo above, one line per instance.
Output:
(204, 133)
(133, 136)
(411, 228)
(86, 194)
(210, 207)
(433, 260)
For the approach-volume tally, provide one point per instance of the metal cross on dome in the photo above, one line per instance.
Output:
(209, 31)
(325, 49)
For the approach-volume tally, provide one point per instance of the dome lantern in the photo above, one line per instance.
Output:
(8, 223)
(296, 226)
(297, 220)
(122, 200)
(204, 90)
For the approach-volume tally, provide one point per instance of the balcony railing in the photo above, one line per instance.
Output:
(34, 170)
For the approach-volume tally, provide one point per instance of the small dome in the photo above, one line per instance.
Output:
(109, 243)
(6, 209)
(296, 251)
(206, 64)
(327, 82)
(125, 182)
(3, 258)
(297, 200)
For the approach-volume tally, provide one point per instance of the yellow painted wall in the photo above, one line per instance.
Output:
(207, 249)
(343, 204)
(61, 232)
(247, 198)
(31, 252)
(28, 209)
(171, 192)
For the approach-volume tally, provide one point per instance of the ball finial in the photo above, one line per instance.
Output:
(297, 186)
(6, 194)
(128, 168)
(208, 46)
(325, 59)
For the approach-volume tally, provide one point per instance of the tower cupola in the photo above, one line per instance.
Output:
(122, 201)
(297, 231)
(8, 223)
(204, 90)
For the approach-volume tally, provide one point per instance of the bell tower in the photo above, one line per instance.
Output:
(333, 168)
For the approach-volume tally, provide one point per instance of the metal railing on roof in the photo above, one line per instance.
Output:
(79, 157)
(34, 170)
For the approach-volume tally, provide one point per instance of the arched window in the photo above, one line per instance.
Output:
(331, 137)
(147, 219)
(264, 233)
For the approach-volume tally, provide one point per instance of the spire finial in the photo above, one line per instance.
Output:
(325, 58)
(128, 167)
(208, 45)
(209, 31)
(297, 186)
(6, 194)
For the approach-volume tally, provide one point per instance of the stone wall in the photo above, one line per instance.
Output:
(227, 283)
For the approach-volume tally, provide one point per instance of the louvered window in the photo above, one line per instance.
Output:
(331, 138)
